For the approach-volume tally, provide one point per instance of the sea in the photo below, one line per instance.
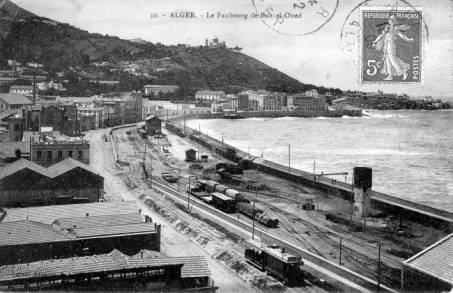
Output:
(410, 152)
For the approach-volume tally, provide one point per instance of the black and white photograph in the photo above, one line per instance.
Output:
(226, 146)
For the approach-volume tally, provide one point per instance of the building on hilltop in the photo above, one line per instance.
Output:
(25, 183)
(215, 44)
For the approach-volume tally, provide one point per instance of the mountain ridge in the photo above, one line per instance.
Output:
(26, 37)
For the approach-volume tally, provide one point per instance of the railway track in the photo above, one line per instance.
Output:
(336, 271)
(356, 278)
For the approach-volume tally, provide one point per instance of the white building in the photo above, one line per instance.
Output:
(155, 89)
(206, 95)
(21, 89)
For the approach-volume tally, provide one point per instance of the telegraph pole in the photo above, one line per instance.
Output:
(223, 152)
(289, 158)
(340, 252)
(379, 266)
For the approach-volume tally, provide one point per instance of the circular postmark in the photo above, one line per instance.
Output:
(295, 17)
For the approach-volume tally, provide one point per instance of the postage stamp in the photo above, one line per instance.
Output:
(391, 45)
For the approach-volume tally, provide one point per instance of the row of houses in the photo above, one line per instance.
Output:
(262, 100)
(18, 113)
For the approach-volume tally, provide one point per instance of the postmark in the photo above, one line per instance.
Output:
(391, 45)
(295, 17)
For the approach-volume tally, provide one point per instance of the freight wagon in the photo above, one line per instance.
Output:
(223, 202)
(207, 185)
(236, 195)
(276, 261)
(259, 215)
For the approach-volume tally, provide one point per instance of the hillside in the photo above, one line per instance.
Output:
(61, 47)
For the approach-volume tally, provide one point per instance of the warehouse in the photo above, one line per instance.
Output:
(25, 183)
(431, 269)
(148, 271)
(27, 240)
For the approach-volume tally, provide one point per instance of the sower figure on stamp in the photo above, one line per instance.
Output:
(386, 41)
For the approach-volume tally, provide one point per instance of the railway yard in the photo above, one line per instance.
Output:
(193, 226)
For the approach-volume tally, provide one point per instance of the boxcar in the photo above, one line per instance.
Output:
(223, 202)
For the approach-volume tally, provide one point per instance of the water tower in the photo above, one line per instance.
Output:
(361, 189)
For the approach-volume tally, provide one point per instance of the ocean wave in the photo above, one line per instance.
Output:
(256, 119)
(286, 118)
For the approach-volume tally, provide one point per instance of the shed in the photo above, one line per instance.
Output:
(191, 155)
(153, 125)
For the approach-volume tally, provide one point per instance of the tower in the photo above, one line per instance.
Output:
(361, 191)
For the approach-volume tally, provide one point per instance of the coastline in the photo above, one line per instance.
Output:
(423, 214)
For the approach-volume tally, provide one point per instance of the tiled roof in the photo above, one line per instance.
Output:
(22, 87)
(20, 165)
(48, 214)
(25, 232)
(99, 221)
(8, 148)
(114, 230)
(436, 260)
(15, 99)
(193, 266)
(210, 92)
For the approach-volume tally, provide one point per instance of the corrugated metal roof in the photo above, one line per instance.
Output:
(114, 230)
(436, 260)
(51, 172)
(99, 221)
(192, 266)
(20, 165)
(67, 165)
(48, 214)
(25, 232)
(15, 99)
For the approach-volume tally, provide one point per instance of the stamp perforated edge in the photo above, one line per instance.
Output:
(423, 40)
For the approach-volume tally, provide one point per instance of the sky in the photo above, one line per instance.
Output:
(321, 57)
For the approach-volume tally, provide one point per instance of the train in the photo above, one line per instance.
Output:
(276, 261)
(259, 215)
(241, 203)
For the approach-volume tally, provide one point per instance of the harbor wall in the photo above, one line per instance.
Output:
(388, 204)
(274, 114)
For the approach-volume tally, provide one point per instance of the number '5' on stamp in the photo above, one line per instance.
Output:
(391, 46)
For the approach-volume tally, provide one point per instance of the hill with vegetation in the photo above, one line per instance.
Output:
(66, 50)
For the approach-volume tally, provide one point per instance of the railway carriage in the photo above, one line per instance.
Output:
(275, 260)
